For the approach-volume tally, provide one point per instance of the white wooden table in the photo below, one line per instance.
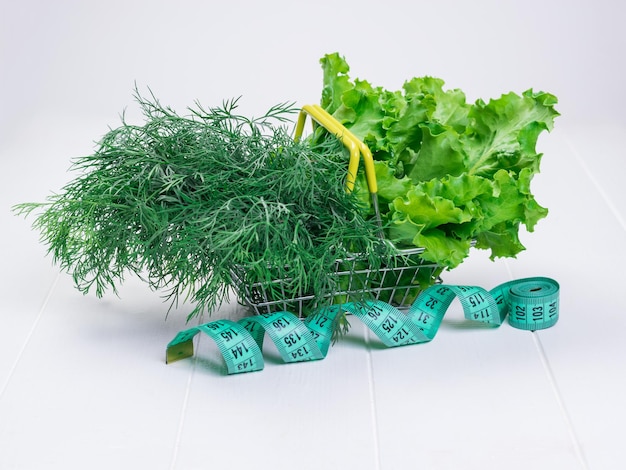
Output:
(83, 381)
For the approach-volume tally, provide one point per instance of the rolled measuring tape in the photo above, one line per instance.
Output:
(530, 304)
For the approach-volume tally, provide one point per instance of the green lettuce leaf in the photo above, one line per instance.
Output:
(504, 132)
(441, 154)
(441, 248)
(450, 173)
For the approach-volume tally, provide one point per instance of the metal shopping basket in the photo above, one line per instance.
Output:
(397, 282)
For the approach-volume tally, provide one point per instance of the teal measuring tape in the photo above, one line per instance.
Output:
(530, 304)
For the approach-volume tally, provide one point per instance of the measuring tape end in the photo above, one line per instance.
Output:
(176, 352)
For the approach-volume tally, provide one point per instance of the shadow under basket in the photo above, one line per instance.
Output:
(398, 283)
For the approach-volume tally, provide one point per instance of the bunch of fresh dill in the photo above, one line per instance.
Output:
(186, 201)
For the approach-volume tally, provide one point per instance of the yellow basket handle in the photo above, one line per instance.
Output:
(349, 140)
(356, 147)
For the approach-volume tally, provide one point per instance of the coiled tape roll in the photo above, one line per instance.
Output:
(530, 304)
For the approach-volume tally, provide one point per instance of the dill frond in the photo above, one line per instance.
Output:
(185, 201)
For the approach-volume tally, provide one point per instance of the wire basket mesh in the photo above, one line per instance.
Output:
(398, 283)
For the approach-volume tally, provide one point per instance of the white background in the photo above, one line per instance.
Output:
(83, 382)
